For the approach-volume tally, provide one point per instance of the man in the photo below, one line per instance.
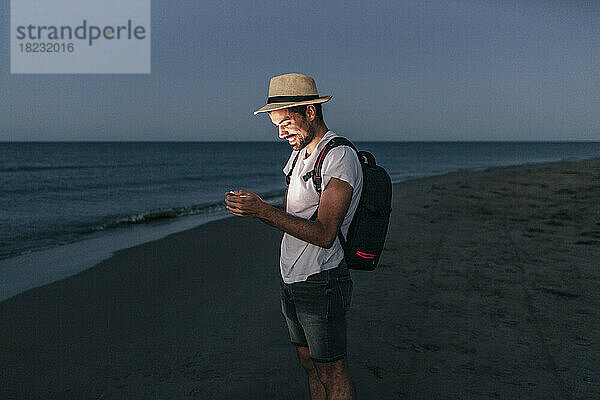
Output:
(315, 282)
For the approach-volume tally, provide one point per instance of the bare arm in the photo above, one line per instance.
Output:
(282, 207)
(333, 206)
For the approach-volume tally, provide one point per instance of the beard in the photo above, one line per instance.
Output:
(303, 141)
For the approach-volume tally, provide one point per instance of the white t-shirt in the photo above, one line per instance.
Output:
(300, 259)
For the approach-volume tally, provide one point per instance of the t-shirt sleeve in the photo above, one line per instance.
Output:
(289, 163)
(342, 163)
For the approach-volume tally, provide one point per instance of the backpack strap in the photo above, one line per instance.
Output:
(316, 172)
(288, 177)
(317, 178)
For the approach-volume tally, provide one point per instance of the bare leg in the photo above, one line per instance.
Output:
(317, 391)
(336, 379)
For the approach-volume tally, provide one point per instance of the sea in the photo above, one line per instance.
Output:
(65, 206)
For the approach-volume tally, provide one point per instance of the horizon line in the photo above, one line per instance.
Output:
(284, 142)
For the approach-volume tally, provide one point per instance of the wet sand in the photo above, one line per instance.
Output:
(488, 288)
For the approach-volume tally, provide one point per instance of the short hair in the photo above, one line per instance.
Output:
(302, 111)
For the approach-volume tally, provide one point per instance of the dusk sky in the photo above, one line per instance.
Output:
(398, 70)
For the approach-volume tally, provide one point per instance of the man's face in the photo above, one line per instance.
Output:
(293, 127)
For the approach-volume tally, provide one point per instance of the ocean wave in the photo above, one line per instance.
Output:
(35, 168)
(79, 231)
(68, 186)
(272, 197)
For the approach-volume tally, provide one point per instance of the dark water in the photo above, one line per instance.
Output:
(57, 193)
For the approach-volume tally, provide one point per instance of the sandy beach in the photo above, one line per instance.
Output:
(488, 289)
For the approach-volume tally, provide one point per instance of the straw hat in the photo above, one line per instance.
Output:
(291, 90)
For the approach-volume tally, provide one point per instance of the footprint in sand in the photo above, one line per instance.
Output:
(588, 242)
(582, 341)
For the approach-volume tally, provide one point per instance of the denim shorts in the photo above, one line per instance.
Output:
(315, 312)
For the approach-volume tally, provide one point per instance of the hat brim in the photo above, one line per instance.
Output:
(280, 106)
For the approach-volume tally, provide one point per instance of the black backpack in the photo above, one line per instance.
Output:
(366, 235)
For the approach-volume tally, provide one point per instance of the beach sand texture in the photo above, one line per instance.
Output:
(488, 288)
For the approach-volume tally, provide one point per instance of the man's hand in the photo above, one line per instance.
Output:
(245, 204)
(333, 206)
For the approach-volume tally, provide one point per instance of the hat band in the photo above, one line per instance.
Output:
(286, 99)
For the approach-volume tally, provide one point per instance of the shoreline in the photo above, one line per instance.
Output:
(487, 288)
(101, 246)
(31, 270)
